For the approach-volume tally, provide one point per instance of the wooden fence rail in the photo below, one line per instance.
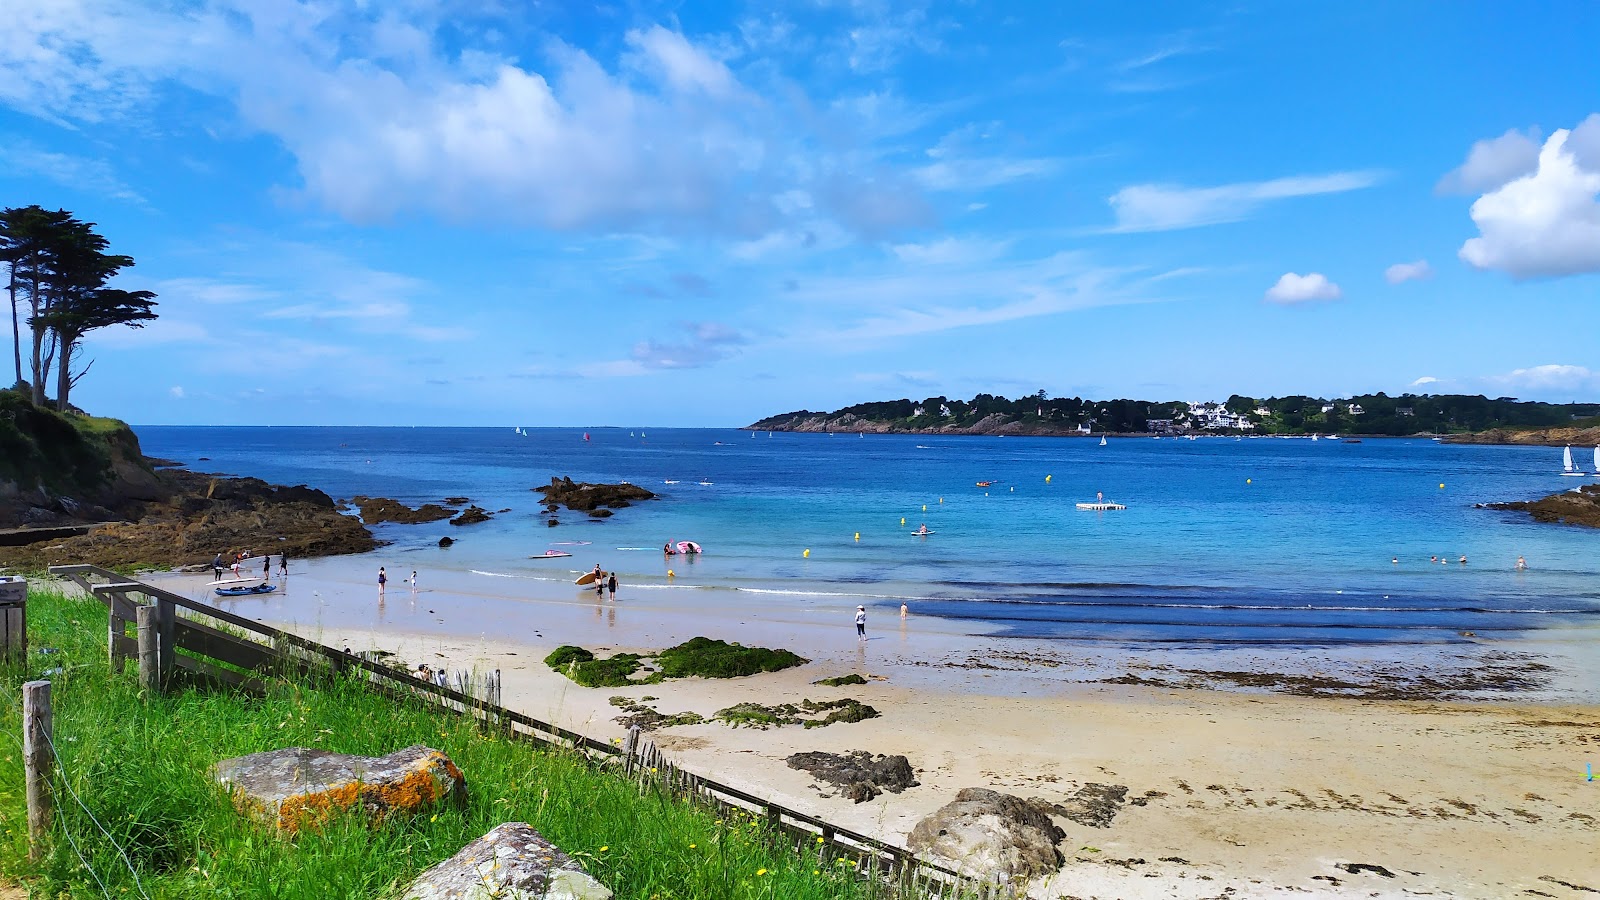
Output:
(285, 653)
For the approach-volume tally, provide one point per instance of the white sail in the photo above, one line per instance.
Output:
(1103, 443)
(1566, 459)
(1597, 460)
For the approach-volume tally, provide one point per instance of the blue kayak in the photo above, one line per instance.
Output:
(246, 591)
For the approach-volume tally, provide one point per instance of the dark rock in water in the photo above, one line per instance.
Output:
(506, 510)
(992, 835)
(583, 497)
(552, 523)
(297, 787)
(511, 861)
(381, 509)
(456, 501)
(446, 541)
(205, 459)
(1094, 805)
(472, 515)
(1575, 507)
(859, 775)
(601, 513)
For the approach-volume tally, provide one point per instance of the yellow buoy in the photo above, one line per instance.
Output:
(941, 499)
(924, 507)
(1047, 479)
(807, 554)
(1441, 485)
(902, 520)
(670, 573)
(1247, 481)
(858, 535)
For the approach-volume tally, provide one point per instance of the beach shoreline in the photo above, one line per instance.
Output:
(1247, 788)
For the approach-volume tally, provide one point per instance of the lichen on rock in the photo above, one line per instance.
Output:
(300, 787)
(511, 862)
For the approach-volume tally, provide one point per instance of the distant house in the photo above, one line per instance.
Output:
(1086, 427)
(1404, 411)
(1158, 426)
(916, 412)
(1263, 411)
(1327, 408)
(944, 410)
(1356, 410)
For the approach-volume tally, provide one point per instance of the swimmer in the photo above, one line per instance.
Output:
(902, 610)
(1433, 559)
(1395, 560)
(1522, 564)
(1462, 560)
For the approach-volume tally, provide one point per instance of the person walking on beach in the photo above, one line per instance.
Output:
(861, 623)
(283, 564)
(266, 566)
(903, 610)
(413, 579)
(611, 585)
(383, 579)
(216, 565)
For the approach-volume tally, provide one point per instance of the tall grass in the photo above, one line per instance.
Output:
(141, 768)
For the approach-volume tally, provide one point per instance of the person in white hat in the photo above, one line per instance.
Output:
(861, 623)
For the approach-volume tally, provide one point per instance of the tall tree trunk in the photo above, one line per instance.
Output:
(51, 343)
(37, 384)
(16, 331)
(64, 374)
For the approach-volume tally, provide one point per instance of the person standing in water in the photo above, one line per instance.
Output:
(383, 579)
(903, 610)
(1522, 564)
(861, 623)
(611, 585)
(283, 564)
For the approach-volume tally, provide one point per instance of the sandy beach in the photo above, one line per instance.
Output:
(1237, 793)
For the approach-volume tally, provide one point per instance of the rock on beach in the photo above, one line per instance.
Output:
(993, 835)
(299, 787)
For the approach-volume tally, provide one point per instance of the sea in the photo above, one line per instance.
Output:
(1255, 542)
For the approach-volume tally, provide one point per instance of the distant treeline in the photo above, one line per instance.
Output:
(1040, 413)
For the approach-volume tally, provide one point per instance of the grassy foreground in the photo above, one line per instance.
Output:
(141, 769)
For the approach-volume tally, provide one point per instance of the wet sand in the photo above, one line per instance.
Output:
(1247, 792)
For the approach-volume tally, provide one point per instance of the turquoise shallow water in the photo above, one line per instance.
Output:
(1225, 543)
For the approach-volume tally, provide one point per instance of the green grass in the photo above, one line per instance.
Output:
(141, 768)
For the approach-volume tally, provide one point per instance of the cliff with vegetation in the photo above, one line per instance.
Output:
(1580, 433)
(1040, 414)
(76, 488)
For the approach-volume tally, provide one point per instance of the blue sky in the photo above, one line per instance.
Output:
(655, 214)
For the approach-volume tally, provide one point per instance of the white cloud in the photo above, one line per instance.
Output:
(949, 251)
(1426, 379)
(1159, 207)
(384, 120)
(1293, 288)
(1411, 271)
(95, 176)
(176, 391)
(1492, 163)
(705, 343)
(1549, 377)
(1546, 223)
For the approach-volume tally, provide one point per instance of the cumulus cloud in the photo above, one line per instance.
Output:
(176, 391)
(1411, 271)
(1293, 288)
(1493, 162)
(390, 113)
(1426, 379)
(704, 343)
(1548, 378)
(1546, 223)
(1161, 207)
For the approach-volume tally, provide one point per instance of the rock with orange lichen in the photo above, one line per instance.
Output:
(300, 787)
(511, 862)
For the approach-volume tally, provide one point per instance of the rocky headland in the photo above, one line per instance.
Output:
(1584, 433)
(77, 489)
(994, 423)
(1575, 507)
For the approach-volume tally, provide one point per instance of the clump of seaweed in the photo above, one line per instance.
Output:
(700, 656)
(756, 715)
(583, 667)
(842, 680)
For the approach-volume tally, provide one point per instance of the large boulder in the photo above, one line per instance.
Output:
(583, 496)
(511, 862)
(992, 835)
(296, 787)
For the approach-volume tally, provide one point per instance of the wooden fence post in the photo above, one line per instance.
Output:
(14, 618)
(630, 747)
(38, 725)
(149, 649)
(167, 628)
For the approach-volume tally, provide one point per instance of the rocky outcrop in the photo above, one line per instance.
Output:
(585, 497)
(859, 775)
(992, 835)
(994, 423)
(511, 862)
(1576, 436)
(300, 787)
(376, 510)
(1575, 507)
(1094, 805)
(472, 515)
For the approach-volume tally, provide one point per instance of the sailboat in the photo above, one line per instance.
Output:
(586, 435)
(1597, 460)
(1102, 441)
(1313, 437)
(1566, 464)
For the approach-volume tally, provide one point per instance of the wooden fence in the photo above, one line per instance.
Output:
(281, 653)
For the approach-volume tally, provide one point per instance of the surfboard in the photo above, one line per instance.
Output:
(585, 578)
(922, 533)
(551, 554)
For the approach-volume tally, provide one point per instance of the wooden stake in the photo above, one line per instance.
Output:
(38, 726)
(149, 649)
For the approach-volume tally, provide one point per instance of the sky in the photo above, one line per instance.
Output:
(457, 212)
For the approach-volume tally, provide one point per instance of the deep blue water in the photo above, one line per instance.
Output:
(1224, 542)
